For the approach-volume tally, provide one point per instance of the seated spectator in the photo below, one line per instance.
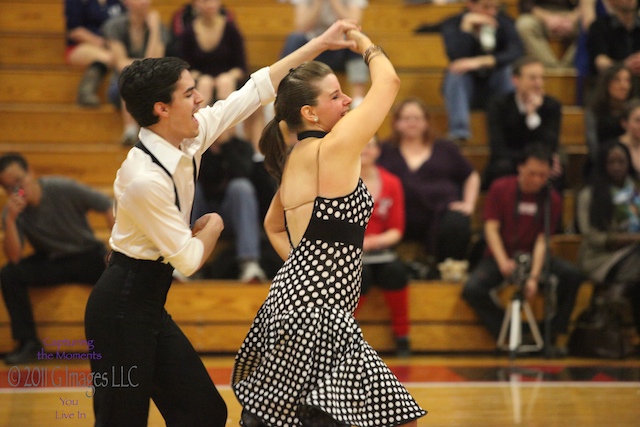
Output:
(139, 33)
(312, 17)
(224, 187)
(51, 214)
(86, 46)
(180, 21)
(631, 136)
(481, 43)
(603, 114)
(609, 220)
(440, 185)
(214, 48)
(381, 265)
(514, 222)
(521, 118)
(540, 21)
(615, 38)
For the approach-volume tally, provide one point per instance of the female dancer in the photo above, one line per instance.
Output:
(304, 361)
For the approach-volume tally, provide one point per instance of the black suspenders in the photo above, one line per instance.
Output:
(141, 146)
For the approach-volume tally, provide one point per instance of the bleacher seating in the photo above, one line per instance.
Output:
(216, 315)
(38, 117)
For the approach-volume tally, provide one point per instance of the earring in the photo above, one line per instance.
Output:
(315, 119)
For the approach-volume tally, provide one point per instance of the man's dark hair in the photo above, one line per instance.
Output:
(147, 81)
(522, 62)
(538, 151)
(8, 159)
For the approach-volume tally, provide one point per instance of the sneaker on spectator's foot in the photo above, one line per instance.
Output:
(403, 349)
(88, 99)
(89, 85)
(251, 272)
(26, 352)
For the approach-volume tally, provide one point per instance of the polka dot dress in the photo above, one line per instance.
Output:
(305, 347)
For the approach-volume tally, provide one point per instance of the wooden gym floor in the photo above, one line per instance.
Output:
(456, 390)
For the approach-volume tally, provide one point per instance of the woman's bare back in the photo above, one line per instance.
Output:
(306, 176)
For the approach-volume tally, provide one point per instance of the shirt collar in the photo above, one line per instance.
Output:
(166, 153)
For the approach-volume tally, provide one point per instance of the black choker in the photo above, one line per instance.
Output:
(311, 134)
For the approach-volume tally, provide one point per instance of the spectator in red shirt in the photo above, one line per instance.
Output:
(514, 223)
(381, 265)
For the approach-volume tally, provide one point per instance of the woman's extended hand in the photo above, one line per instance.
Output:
(335, 37)
(362, 41)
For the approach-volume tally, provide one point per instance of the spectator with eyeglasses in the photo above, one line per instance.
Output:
(50, 213)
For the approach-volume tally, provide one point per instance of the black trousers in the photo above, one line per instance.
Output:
(39, 270)
(141, 353)
(390, 276)
(453, 235)
(446, 235)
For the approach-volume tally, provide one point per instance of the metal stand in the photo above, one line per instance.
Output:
(550, 281)
(513, 323)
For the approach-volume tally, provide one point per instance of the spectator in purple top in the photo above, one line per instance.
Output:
(86, 47)
(441, 186)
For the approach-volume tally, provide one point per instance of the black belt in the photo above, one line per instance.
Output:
(122, 259)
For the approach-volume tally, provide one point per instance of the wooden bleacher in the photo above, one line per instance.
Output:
(32, 43)
(216, 315)
(39, 118)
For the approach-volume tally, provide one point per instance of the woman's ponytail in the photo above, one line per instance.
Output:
(274, 148)
(297, 89)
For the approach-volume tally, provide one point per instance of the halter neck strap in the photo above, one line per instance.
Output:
(311, 134)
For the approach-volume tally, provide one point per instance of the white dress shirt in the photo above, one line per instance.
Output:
(149, 225)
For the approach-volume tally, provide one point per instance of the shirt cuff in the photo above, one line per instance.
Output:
(188, 259)
(262, 80)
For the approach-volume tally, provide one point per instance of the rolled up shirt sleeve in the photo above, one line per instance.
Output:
(238, 106)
